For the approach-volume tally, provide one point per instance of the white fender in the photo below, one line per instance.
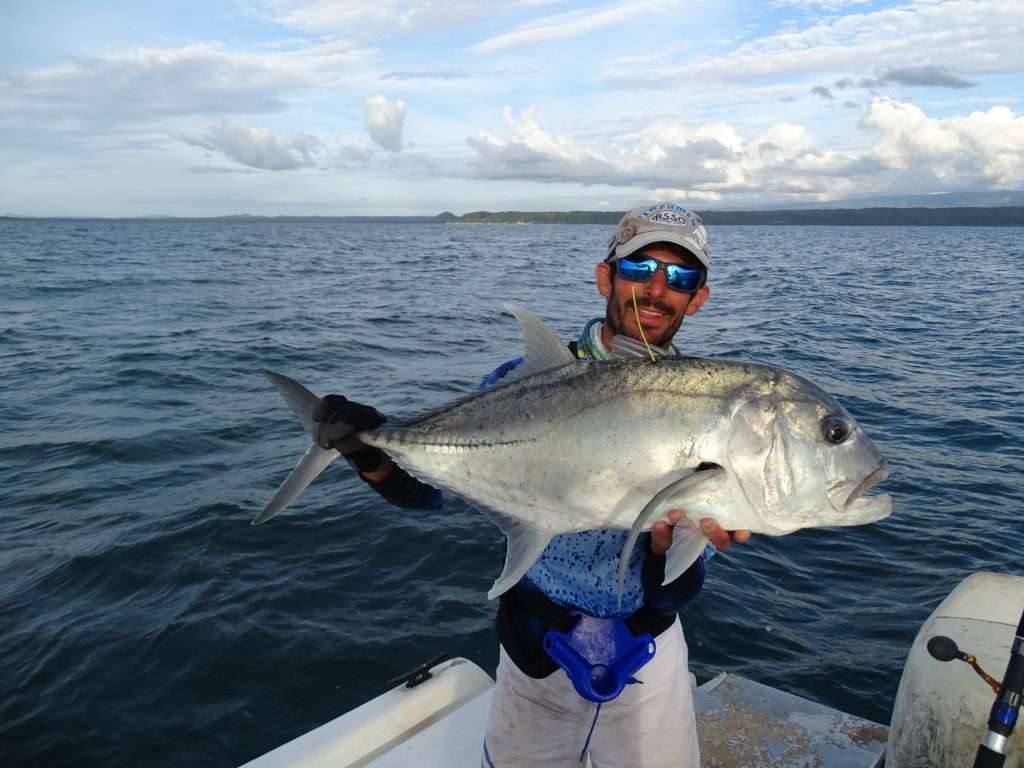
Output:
(941, 711)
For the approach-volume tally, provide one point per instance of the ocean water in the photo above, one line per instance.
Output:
(142, 619)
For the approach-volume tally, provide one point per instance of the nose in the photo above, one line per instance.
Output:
(657, 285)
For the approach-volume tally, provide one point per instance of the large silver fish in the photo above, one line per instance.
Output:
(569, 445)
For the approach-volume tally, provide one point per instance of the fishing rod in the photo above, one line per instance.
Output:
(1003, 715)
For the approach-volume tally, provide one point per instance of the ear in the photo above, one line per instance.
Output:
(698, 299)
(603, 277)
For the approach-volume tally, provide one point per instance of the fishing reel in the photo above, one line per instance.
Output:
(1009, 695)
(944, 648)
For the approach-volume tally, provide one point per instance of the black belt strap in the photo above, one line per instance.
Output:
(551, 614)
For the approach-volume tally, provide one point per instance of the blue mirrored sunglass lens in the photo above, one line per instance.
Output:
(683, 278)
(638, 270)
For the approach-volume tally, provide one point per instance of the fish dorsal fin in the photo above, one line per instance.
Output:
(543, 349)
(672, 496)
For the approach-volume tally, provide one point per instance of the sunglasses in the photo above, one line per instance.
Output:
(640, 268)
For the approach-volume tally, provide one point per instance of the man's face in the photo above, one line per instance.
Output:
(661, 309)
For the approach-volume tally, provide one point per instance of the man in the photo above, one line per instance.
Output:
(654, 275)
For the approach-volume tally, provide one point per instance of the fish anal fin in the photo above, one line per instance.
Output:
(524, 544)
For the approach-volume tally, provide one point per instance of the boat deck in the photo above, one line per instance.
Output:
(740, 723)
(743, 723)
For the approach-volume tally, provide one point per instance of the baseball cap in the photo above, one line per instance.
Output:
(659, 223)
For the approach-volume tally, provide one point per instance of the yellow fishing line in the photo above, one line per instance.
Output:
(636, 310)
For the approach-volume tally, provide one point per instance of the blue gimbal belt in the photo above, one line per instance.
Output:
(600, 656)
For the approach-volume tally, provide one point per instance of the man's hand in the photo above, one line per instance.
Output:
(338, 419)
(661, 534)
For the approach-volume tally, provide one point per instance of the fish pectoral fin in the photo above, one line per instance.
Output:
(688, 544)
(695, 484)
(524, 544)
(542, 348)
(313, 462)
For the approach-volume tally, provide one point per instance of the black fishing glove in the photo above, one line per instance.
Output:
(339, 419)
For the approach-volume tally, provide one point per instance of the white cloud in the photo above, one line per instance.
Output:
(434, 74)
(268, 150)
(258, 147)
(911, 153)
(369, 19)
(827, 5)
(661, 155)
(924, 33)
(350, 156)
(573, 24)
(974, 101)
(983, 148)
(533, 153)
(150, 83)
(218, 170)
(384, 120)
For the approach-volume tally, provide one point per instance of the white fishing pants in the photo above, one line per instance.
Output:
(544, 723)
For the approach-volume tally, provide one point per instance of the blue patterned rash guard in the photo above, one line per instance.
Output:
(581, 569)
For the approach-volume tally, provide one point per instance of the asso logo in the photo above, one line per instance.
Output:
(670, 217)
(671, 214)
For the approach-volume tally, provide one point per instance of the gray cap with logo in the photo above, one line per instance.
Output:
(660, 223)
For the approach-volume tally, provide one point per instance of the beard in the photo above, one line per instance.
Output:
(620, 317)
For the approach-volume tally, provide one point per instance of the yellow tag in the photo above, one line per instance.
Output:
(636, 309)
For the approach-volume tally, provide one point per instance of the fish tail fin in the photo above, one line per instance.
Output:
(313, 462)
(299, 399)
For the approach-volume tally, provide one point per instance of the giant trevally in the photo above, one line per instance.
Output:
(569, 445)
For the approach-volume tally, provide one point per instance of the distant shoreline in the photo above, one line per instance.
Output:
(1009, 216)
(962, 216)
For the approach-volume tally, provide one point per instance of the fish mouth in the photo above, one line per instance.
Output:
(870, 506)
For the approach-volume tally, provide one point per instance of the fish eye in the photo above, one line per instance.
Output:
(834, 429)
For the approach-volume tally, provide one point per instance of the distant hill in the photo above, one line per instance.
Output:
(998, 198)
(539, 217)
(440, 218)
(1008, 216)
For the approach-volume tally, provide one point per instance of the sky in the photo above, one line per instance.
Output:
(380, 107)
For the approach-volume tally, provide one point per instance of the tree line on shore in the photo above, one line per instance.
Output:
(1009, 216)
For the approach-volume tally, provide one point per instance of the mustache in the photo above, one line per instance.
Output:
(649, 304)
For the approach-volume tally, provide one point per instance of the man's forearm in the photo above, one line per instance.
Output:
(381, 473)
(398, 487)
